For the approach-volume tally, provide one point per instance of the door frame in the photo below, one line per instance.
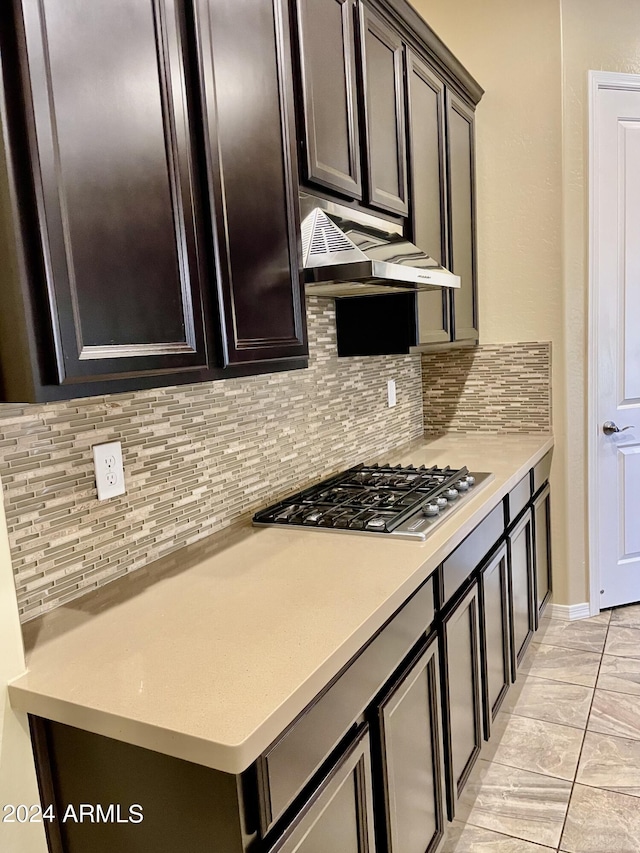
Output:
(597, 81)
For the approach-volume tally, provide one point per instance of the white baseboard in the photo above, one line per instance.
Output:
(568, 612)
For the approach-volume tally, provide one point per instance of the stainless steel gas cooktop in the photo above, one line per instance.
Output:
(401, 501)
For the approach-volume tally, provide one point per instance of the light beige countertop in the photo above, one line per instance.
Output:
(210, 653)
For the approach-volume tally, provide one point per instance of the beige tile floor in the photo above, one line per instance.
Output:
(562, 770)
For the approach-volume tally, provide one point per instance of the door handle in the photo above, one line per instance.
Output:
(609, 428)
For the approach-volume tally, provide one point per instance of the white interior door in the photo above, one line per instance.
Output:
(615, 339)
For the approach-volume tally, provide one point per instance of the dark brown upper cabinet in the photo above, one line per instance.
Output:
(331, 138)
(352, 112)
(427, 158)
(148, 196)
(443, 213)
(108, 129)
(398, 322)
(382, 52)
(461, 187)
(247, 94)
(442, 223)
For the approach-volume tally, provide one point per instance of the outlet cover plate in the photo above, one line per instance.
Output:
(109, 469)
(391, 393)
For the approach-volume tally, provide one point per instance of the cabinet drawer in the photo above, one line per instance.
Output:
(541, 472)
(296, 755)
(457, 568)
(339, 814)
(518, 498)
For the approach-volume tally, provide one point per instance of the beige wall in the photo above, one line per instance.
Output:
(512, 47)
(17, 774)
(532, 157)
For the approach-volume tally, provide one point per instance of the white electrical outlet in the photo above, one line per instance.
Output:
(391, 392)
(107, 461)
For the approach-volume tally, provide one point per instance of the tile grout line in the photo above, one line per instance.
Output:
(585, 728)
(551, 722)
(546, 775)
(506, 835)
(584, 735)
(528, 673)
(493, 760)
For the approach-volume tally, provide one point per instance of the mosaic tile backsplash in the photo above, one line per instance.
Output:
(495, 388)
(197, 458)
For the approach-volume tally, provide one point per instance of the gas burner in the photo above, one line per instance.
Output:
(381, 499)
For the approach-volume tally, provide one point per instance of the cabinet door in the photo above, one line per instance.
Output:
(520, 550)
(542, 550)
(412, 759)
(461, 652)
(339, 815)
(327, 62)
(428, 197)
(291, 761)
(496, 656)
(109, 117)
(462, 240)
(244, 65)
(383, 75)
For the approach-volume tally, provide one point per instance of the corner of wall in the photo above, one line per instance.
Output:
(17, 771)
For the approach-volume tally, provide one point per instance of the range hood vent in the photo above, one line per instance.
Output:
(323, 243)
(350, 253)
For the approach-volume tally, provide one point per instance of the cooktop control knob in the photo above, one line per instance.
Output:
(431, 509)
(462, 485)
(470, 479)
(451, 494)
(441, 501)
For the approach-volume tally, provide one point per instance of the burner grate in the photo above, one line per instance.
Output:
(372, 498)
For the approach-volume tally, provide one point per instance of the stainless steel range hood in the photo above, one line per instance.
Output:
(349, 253)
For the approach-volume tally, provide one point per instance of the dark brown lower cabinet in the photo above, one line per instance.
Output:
(496, 655)
(399, 731)
(520, 549)
(462, 692)
(185, 807)
(288, 765)
(542, 548)
(339, 816)
(410, 727)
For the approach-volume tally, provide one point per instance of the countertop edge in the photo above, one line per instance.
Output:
(217, 756)
(236, 757)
